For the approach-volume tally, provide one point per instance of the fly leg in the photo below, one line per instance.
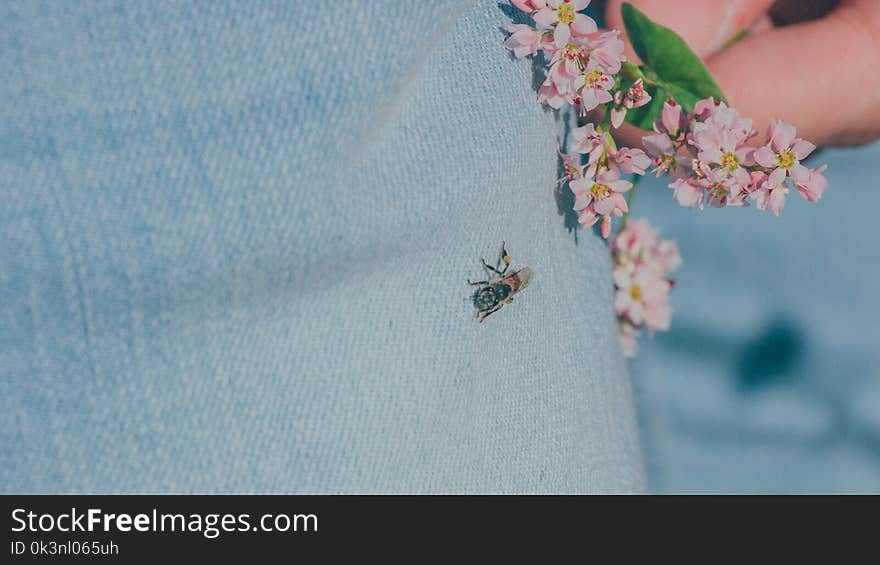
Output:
(503, 257)
(482, 315)
(477, 283)
(489, 267)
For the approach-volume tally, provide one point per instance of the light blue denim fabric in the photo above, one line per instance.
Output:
(235, 238)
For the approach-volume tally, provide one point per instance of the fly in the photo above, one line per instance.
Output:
(496, 292)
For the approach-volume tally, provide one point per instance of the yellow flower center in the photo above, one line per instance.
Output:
(729, 162)
(599, 191)
(565, 12)
(573, 51)
(785, 159)
(635, 292)
(593, 78)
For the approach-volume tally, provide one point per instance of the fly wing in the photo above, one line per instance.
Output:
(523, 276)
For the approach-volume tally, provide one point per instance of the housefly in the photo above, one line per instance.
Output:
(500, 286)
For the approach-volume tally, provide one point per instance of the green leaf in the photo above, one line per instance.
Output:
(665, 55)
(631, 71)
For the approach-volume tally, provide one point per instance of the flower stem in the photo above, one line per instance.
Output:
(741, 34)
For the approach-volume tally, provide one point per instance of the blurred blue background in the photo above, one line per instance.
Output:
(768, 380)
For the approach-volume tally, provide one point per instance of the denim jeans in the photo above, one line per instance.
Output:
(235, 243)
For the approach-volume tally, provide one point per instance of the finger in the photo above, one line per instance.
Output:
(816, 75)
(705, 26)
(787, 12)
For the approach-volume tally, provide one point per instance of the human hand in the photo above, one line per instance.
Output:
(817, 71)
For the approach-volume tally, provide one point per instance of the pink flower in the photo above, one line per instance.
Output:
(667, 157)
(725, 118)
(672, 120)
(756, 180)
(709, 163)
(687, 192)
(642, 296)
(635, 97)
(529, 6)
(564, 75)
(607, 51)
(549, 95)
(600, 199)
(721, 191)
(638, 243)
(588, 141)
(815, 186)
(666, 257)
(642, 264)
(658, 315)
(636, 239)
(604, 195)
(631, 160)
(771, 195)
(523, 41)
(783, 153)
(718, 146)
(568, 22)
(704, 109)
(573, 57)
(719, 143)
(571, 166)
(593, 87)
(588, 217)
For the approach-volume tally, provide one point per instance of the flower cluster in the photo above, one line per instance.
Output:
(706, 156)
(581, 70)
(642, 264)
(597, 184)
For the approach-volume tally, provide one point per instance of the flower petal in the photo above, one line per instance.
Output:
(561, 35)
(545, 17)
(764, 156)
(587, 217)
(802, 148)
(606, 226)
(604, 206)
(620, 185)
(712, 155)
(777, 177)
(812, 190)
(777, 200)
(584, 24)
(581, 201)
(580, 186)
(617, 116)
(799, 173)
(782, 135)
